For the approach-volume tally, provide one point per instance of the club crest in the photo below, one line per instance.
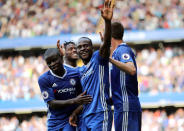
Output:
(72, 82)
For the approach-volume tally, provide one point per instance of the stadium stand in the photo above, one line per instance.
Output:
(166, 78)
(155, 29)
(157, 120)
(39, 17)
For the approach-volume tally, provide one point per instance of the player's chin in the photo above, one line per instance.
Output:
(54, 69)
(75, 57)
(84, 57)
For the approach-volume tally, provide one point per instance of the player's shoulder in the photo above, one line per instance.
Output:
(95, 54)
(69, 66)
(124, 46)
(72, 71)
(44, 77)
(81, 69)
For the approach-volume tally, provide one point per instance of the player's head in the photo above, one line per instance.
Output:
(70, 51)
(85, 48)
(117, 30)
(53, 59)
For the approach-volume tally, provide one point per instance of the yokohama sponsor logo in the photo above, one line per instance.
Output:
(66, 90)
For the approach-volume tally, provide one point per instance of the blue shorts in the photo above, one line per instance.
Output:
(101, 121)
(127, 121)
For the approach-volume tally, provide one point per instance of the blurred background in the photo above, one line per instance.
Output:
(153, 28)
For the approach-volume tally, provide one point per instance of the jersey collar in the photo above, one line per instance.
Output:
(61, 77)
(70, 66)
(123, 44)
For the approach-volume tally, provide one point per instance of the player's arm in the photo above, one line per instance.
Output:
(106, 13)
(49, 98)
(79, 100)
(128, 67)
(73, 117)
(60, 48)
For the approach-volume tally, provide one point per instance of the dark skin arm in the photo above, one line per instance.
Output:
(128, 67)
(106, 13)
(60, 48)
(79, 100)
(73, 116)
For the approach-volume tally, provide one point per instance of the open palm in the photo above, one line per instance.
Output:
(107, 10)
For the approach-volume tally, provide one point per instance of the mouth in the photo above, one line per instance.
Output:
(75, 55)
(85, 53)
(56, 67)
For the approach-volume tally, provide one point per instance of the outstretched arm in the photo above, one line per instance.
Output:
(128, 67)
(79, 100)
(106, 13)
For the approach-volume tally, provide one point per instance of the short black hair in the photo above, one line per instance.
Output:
(117, 30)
(90, 41)
(51, 51)
(66, 43)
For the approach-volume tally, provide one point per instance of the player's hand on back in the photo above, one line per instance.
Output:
(83, 99)
(60, 48)
(73, 119)
(107, 10)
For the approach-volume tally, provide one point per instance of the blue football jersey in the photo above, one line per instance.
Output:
(95, 80)
(69, 66)
(124, 86)
(59, 88)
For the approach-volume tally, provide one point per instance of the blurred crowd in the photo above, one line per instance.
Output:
(157, 120)
(159, 70)
(35, 123)
(28, 18)
(160, 121)
(19, 76)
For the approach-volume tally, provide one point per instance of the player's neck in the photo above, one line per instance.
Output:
(86, 62)
(71, 63)
(116, 43)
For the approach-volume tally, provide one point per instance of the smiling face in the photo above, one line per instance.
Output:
(71, 52)
(85, 49)
(54, 61)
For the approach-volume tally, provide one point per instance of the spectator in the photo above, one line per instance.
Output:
(157, 120)
(161, 70)
(20, 18)
(158, 71)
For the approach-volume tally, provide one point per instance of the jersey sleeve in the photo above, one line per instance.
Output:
(46, 91)
(100, 59)
(125, 55)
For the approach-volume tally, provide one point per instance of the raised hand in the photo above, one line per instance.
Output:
(60, 48)
(107, 10)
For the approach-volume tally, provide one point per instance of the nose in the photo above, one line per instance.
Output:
(74, 50)
(52, 63)
(82, 47)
